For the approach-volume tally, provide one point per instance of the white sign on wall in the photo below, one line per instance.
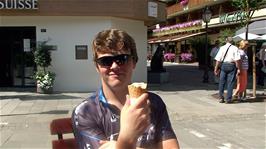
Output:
(26, 45)
(152, 9)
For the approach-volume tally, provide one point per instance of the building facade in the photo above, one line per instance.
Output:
(184, 21)
(69, 27)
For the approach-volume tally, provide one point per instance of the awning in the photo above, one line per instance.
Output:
(243, 36)
(173, 38)
(263, 37)
(257, 27)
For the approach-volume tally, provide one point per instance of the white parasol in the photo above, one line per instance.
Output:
(242, 36)
(263, 37)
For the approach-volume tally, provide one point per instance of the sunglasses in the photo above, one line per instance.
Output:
(109, 60)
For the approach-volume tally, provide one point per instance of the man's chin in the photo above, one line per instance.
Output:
(117, 83)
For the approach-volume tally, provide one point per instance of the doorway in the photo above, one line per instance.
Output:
(16, 56)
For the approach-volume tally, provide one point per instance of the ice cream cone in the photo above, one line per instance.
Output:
(136, 89)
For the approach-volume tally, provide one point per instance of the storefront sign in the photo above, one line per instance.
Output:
(19, 4)
(235, 17)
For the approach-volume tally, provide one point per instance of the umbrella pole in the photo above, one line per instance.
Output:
(254, 70)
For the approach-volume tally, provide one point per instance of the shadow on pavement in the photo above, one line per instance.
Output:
(38, 97)
(250, 98)
(18, 89)
(45, 112)
(184, 77)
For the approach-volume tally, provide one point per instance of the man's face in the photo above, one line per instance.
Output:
(115, 70)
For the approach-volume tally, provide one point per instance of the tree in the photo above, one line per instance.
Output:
(224, 34)
(249, 7)
(198, 44)
(42, 55)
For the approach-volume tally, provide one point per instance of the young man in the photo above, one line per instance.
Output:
(229, 59)
(107, 119)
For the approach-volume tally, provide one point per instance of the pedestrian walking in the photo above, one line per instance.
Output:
(107, 119)
(242, 78)
(213, 53)
(228, 60)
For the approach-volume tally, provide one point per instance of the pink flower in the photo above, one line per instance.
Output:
(184, 2)
(170, 57)
(186, 57)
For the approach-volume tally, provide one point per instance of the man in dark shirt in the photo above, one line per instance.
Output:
(107, 119)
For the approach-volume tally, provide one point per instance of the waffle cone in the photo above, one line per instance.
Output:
(137, 89)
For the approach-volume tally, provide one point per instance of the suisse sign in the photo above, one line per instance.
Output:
(19, 4)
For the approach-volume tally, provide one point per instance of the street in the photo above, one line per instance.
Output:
(199, 121)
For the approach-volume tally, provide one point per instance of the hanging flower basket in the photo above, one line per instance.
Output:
(184, 2)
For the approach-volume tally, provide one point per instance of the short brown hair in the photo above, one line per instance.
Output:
(114, 41)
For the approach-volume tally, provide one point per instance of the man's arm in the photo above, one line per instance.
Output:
(86, 130)
(166, 144)
(134, 119)
(216, 68)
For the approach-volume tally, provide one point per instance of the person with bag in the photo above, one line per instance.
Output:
(228, 59)
(262, 64)
(242, 78)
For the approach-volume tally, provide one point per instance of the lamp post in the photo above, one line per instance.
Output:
(206, 17)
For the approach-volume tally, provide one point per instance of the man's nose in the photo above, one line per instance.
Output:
(114, 65)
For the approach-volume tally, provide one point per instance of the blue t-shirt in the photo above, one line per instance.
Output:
(94, 119)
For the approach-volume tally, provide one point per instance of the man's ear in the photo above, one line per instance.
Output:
(97, 67)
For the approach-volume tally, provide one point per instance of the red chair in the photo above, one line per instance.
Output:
(59, 127)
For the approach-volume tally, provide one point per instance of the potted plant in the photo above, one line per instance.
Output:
(45, 81)
(44, 78)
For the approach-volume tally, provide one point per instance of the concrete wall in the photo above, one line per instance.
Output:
(66, 32)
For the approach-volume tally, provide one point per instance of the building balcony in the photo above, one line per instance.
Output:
(178, 9)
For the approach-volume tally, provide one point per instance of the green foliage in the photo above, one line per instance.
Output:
(42, 55)
(248, 6)
(245, 4)
(224, 34)
(198, 43)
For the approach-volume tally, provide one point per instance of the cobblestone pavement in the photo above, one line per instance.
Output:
(198, 119)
